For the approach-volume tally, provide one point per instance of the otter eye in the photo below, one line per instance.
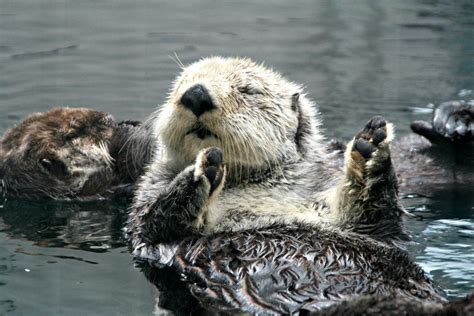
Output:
(249, 90)
(54, 166)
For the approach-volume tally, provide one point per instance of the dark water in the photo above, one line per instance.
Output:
(356, 58)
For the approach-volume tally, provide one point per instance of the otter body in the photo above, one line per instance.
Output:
(66, 154)
(241, 161)
(281, 270)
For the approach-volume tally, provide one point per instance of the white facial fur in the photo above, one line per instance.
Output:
(254, 120)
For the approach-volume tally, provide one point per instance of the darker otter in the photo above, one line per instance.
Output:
(68, 153)
(442, 153)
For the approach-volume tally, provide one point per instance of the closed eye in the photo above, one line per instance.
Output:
(54, 166)
(249, 90)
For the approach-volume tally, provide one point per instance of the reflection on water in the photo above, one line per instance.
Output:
(357, 59)
(89, 226)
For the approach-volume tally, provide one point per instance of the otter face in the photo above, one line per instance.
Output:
(247, 110)
(61, 153)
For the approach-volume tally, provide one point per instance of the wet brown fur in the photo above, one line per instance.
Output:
(64, 153)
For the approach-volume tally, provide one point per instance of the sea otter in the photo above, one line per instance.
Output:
(68, 153)
(442, 152)
(268, 132)
(244, 203)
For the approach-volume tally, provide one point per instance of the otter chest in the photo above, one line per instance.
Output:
(255, 206)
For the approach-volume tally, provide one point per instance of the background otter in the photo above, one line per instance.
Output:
(68, 153)
(444, 154)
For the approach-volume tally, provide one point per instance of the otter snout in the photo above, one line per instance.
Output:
(198, 100)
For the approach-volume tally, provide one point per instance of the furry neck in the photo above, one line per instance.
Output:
(131, 147)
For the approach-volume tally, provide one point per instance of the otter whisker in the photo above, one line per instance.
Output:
(176, 60)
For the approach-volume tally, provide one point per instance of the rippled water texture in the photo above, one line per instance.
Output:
(356, 58)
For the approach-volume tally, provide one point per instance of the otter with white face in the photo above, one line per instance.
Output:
(241, 148)
(243, 183)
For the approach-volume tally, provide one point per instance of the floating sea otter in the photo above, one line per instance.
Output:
(246, 207)
(68, 153)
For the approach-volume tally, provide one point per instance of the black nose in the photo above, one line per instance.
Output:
(197, 99)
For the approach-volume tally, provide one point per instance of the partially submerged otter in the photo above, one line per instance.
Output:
(444, 155)
(68, 153)
(243, 162)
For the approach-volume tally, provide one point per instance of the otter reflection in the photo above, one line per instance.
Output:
(91, 226)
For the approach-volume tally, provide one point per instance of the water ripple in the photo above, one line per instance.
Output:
(44, 53)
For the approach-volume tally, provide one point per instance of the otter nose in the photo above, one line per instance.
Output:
(197, 99)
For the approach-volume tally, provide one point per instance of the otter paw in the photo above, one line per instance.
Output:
(210, 164)
(455, 120)
(376, 134)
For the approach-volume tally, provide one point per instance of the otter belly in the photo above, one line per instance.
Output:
(259, 206)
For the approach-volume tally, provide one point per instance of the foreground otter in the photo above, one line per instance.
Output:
(244, 163)
(68, 153)
(272, 147)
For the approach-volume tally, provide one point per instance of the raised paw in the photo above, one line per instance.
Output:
(372, 137)
(210, 163)
(452, 121)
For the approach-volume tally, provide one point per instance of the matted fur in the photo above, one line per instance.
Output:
(66, 153)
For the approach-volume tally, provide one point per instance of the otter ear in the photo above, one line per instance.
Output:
(303, 130)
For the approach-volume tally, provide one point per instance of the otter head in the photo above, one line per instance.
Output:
(255, 116)
(61, 153)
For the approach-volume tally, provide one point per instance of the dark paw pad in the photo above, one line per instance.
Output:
(374, 133)
(375, 123)
(213, 165)
(379, 135)
(364, 147)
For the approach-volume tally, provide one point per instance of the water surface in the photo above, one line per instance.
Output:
(356, 59)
